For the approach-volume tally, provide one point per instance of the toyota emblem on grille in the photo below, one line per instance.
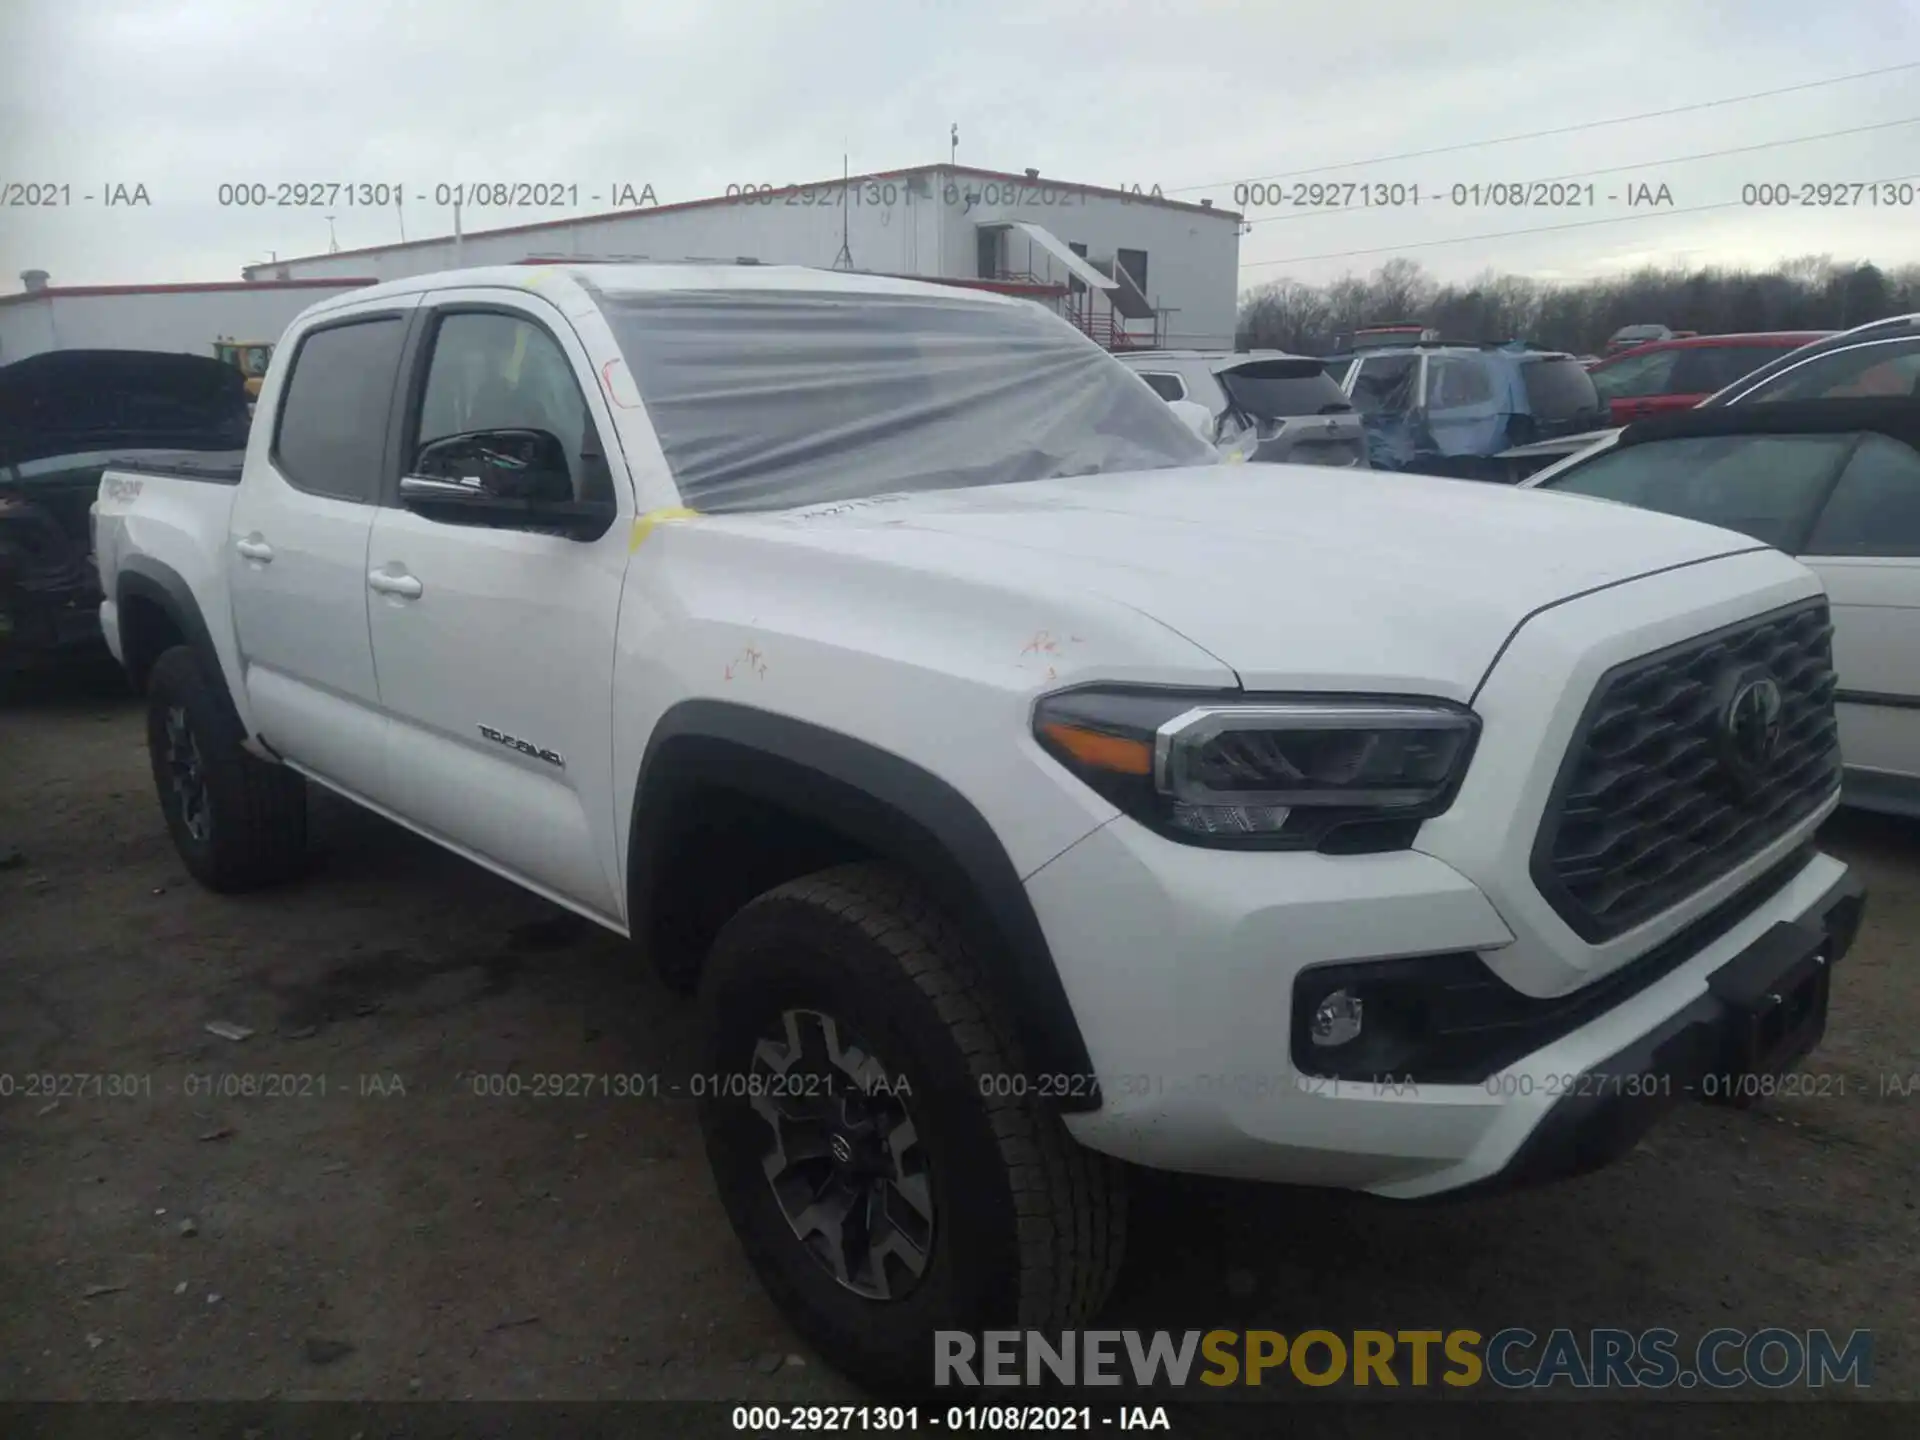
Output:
(1750, 724)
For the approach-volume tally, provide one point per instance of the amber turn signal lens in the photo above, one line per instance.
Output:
(1103, 752)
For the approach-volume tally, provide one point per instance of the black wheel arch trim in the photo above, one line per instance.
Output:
(893, 807)
(144, 578)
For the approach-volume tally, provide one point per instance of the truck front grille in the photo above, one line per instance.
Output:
(1669, 784)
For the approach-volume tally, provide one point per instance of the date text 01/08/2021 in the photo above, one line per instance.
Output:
(788, 1419)
(1497, 195)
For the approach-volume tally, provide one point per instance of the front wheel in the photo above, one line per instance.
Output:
(854, 1102)
(237, 821)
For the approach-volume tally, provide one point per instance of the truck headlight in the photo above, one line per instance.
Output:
(1332, 772)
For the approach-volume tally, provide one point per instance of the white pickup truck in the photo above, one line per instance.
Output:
(1022, 789)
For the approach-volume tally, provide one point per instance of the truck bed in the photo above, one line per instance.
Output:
(217, 467)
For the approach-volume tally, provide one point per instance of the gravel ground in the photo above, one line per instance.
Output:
(402, 1236)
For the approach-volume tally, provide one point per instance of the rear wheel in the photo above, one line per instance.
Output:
(238, 821)
(855, 1106)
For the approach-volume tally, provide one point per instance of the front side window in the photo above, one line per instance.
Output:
(1766, 486)
(500, 372)
(1888, 368)
(1633, 376)
(332, 431)
(769, 399)
(1875, 509)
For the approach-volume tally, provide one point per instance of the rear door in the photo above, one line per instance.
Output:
(1866, 547)
(494, 642)
(297, 547)
(1464, 416)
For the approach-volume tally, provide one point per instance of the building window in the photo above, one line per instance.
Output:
(992, 242)
(1134, 262)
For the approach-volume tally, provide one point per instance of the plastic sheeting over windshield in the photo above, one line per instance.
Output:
(768, 399)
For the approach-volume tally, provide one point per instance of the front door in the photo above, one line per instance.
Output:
(495, 645)
(297, 550)
(1866, 548)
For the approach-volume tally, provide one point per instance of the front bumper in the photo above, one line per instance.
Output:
(1180, 965)
(1763, 1011)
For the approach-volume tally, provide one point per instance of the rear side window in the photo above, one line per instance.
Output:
(1875, 509)
(1455, 383)
(1167, 387)
(1277, 389)
(332, 434)
(1887, 368)
(1558, 389)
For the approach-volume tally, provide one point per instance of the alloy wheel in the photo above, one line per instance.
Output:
(843, 1158)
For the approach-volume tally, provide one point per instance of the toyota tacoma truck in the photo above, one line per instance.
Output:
(1025, 794)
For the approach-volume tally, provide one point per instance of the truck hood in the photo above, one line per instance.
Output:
(82, 402)
(1295, 577)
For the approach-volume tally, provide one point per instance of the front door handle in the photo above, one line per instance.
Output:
(407, 587)
(254, 549)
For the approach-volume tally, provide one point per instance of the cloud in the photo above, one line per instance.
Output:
(690, 96)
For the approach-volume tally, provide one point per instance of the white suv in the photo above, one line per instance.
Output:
(1266, 405)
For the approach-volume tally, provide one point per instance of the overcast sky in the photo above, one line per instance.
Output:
(691, 95)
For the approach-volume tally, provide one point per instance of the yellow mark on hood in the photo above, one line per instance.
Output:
(643, 527)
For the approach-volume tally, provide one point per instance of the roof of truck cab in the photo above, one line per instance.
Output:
(643, 278)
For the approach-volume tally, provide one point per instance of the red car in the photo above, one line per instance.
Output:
(1678, 374)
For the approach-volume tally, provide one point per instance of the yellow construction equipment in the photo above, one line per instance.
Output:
(249, 357)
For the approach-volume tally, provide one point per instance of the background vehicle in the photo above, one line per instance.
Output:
(1372, 337)
(249, 357)
(1020, 788)
(1628, 337)
(1836, 483)
(1266, 405)
(1880, 359)
(1451, 409)
(1678, 374)
(64, 416)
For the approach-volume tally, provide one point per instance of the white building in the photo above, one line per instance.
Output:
(1128, 268)
(185, 318)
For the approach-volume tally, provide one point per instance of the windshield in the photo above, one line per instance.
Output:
(767, 399)
(1276, 389)
(1766, 486)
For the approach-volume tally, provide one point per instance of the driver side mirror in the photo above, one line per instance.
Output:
(513, 479)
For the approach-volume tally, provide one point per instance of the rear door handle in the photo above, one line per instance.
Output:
(407, 587)
(254, 549)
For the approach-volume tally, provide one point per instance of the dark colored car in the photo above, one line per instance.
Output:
(1678, 374)
(65, 415)
(1453, 409)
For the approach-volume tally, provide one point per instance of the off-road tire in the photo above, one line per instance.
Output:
(257, 811)
(1029, 1227)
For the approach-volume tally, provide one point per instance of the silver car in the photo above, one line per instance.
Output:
(1266, 405)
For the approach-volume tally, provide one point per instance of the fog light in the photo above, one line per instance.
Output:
(1336, 1019)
